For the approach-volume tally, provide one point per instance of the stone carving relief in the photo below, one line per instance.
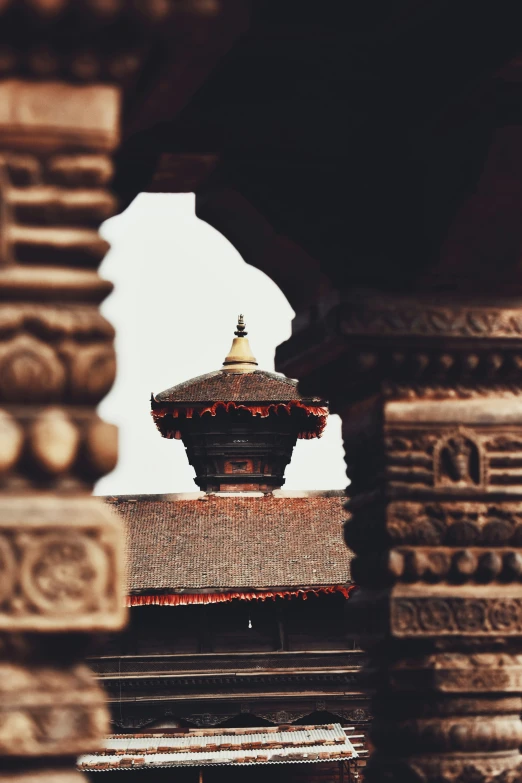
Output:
(435, 521)
(461, 391)
(63, 570)
(441, 616)
(62, 573)
(45, 711)
(453, 459)
(458, 460)
(455, 672)
(383, 318)
(491, 524)
(52, 353)
(54, 445)
(64, 68)
(61, 553)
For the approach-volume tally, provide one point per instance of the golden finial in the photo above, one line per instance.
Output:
(240, 357)
(240, 328)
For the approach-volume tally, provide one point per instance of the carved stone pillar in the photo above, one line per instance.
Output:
(65, 66)
(60, 550)
(431, 399)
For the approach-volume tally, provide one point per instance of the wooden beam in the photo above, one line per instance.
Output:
(182, 173)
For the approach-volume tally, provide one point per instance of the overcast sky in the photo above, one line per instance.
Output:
(179, 288)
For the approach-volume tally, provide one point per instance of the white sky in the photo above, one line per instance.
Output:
(179, 288)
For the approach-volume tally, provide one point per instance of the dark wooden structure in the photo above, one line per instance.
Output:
(239, 424)
(264, 643)
(237, 595)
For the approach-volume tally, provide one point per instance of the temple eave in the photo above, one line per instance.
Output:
(185, 597)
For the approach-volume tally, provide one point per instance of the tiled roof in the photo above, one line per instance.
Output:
(213, 543)
(212, 747)
(256, 386)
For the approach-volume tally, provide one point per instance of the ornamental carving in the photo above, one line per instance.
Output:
(455, 460)
(435, 522)
(46, 711)
(458, 460)
(207, 719)
(505, 614)
(91, 370)
(62, 569)
(460, 391)
(439, 564)
(470, 616)
(280, 717)
(439, 616)
(30, 371)
(56, 442)
(79, 322)
(53, 441)
(460, 673)
(465, 524)
(357, 715)
(63, 573)
(424, 321)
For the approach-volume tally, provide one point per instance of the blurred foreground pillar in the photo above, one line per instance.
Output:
(430, 396)
(60, 550)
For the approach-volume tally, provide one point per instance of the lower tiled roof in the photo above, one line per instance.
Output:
(217, 543)
(213, 747)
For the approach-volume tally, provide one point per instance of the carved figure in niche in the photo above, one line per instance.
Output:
(458, 460)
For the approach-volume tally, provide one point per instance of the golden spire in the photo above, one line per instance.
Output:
(240, 357)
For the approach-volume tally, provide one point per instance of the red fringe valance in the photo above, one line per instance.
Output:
(184, 599)
(319, 412)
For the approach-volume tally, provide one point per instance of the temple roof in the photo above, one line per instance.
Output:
(237, 380)
(254, 386)
(241, 544)
(238, 386)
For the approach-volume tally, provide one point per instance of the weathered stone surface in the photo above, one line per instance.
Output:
(61, 551)
(50, 711)
(62, 565)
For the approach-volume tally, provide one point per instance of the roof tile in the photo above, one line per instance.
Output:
(228, 543)
(256, 386)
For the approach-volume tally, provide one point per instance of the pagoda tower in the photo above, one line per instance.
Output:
(239, 424)
(237, 596)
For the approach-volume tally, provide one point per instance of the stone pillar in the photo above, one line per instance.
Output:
(60, 550)
(65, 67)
(430, 395)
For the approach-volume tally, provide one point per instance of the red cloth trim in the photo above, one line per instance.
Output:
(184, 599)
(318, 411)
